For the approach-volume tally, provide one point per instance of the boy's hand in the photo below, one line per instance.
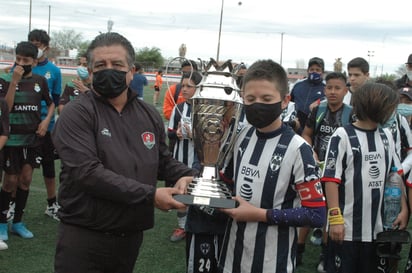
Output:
(246, 212)
(42, 128)
(337, 232)
(17, 73)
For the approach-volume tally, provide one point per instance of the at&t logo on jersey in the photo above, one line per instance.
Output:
(246, 192)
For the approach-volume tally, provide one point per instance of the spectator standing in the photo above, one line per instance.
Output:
(307, 93)
(406, 80)
(157, 86)
(139, 81)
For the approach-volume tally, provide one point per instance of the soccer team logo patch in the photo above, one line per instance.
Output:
(148, 139)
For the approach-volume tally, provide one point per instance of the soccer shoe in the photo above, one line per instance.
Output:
(316, 237)
(321, 267)
(10, 212)
(21, 230)
(178, 234)
(52, 211)
(3, 245)
(4, 236)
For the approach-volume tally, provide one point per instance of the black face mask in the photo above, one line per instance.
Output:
(261, 115)
(109, 83)
(26, 68)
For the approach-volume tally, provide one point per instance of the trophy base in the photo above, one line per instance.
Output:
(206, 201)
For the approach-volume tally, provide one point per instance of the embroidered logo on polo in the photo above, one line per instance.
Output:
(148, 139)
(106, 132)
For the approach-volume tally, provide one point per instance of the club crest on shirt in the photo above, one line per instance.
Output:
(331, 164)
(37, 87)
(148, 139)
(205, 248)
(275, 162)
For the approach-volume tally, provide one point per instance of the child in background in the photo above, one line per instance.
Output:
(358, 160)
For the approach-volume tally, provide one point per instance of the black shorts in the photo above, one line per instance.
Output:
(202, 252)
(156, 89)
(48, 154)
(16, 157)
(351, 257)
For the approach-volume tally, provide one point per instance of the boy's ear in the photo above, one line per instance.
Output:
(285, 101)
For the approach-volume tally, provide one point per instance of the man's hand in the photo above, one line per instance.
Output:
(164, 199)
(183, 183)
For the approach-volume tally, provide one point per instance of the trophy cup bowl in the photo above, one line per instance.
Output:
(216, 107)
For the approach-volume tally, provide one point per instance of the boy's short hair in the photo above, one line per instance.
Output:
(360, 63)
(336, 75)
(318, 61)
(26, 49)
(137, 66)
(270, 71)
(39, 35)
(374, 101)
(195, 76)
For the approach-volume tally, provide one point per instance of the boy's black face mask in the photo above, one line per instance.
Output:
(26, 68)
(261, 115)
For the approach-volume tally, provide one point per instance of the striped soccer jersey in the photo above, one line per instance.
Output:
(359, 161)
(25, 115)
(184, 149)
(267, 168)
(401, 135)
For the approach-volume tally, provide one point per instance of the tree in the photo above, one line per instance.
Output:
(66, 39)
(401, 70)
(150, 58)
(82, 48)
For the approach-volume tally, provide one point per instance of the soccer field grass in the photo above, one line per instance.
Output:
(157, 255)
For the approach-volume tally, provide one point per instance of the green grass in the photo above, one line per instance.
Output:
(157, 254)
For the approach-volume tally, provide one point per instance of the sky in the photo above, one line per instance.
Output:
(379, 31)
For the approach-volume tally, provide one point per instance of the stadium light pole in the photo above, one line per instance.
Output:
(30, 16)
(220, 31)
(48, 26)
(281, 47)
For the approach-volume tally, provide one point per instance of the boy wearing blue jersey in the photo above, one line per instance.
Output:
(276, 181)
(358, 160)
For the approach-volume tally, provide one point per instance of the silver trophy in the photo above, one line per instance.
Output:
(216, 108)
